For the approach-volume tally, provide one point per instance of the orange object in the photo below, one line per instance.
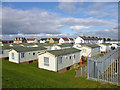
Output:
(81, 61)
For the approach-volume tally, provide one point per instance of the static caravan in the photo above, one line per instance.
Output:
(64, 40)
(24, 54)
(61, 46)
(104, 48)
(4, 52)
(88, 50)
(59, 60)
(32, 40)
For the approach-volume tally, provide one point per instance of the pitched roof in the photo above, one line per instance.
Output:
(63, 51)
(90, 38)
(27, 49)
(91, 45)
(30, 39)
(6, 47)
(66, 45)
(55, 39)
(43, 38)
(66, 39)
(71, 38)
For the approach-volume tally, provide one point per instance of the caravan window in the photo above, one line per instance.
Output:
(70, 57)
(12, 55)
(74, 56)
(60, 60)
(46, 61)
(22, 55)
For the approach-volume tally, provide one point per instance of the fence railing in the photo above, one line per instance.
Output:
(104, 68)
(82, 71)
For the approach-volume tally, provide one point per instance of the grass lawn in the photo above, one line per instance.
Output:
(29, 76)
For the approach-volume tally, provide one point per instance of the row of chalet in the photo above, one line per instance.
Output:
(43, 40)
(59, 58)
(57, 40)
(79, 39)
(89, 40)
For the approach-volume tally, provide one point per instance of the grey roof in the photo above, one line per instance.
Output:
(91, 45)
(71, 38)
(27, 49)
(66, 45)
(6, 47)
(105, 43)
(55, 39)
(91, 38)
(63, 51)
(43, 38)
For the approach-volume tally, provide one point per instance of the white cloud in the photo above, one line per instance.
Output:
(85, 21)
(107, 33)
(67, 6)
(29, 21)
(33, 22)
(79, 28)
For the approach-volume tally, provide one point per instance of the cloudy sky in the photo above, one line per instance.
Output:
(59, 19)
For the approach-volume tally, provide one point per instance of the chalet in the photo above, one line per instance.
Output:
(19, 40)
(24, 55)
(59, 60)
(89, 40)
(7, 41)
(71, 40)
(44, 40)
(88, 50)
(114, 45)
(104, 47)
(63, 40)
(4, 52)
(113, 41)
(31, 40)
(54, 40)
(62, 46)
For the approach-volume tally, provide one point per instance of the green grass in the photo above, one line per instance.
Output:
(30, 76)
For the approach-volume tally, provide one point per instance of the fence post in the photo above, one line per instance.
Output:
(88, 68)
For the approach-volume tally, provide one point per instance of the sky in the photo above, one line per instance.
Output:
(59, 19)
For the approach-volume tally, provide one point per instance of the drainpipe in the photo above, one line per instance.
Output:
(19, 57)
(57, 63)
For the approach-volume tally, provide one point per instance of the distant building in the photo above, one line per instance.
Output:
(54, 40)
(71, 40)
(44, 40)
(104, 47)
(62, 46)
(88, 50)
(7, 41)
(64, 40)
(24, 55)
(89, 40)
(59, 60)
(4, 52)
(113, 41)
(32, 40)
(20, 40)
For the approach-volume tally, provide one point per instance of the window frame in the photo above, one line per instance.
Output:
(22, 55)
(12, 54)
(46, 63)
(2, 52)
(74, 56)
(60, 60)
(70, 57)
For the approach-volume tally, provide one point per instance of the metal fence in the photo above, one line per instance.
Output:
(104, 68)
(82, 71)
